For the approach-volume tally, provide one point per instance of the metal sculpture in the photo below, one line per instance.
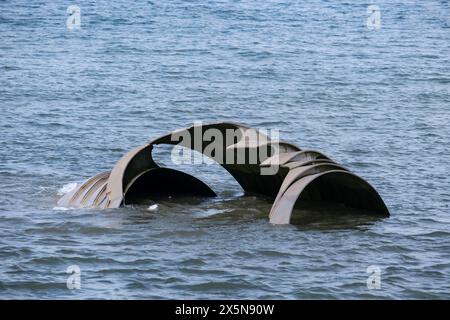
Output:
(250, 157)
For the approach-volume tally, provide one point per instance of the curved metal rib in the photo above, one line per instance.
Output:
(86, 193)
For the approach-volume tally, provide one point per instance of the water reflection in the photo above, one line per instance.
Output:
(331, 216)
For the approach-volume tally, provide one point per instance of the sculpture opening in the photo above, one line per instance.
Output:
(162, 183)
(199, 166)
(344, 188)
(336, 188)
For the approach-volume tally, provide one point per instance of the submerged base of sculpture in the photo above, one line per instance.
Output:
(260, 165)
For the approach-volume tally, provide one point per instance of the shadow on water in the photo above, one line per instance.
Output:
(247, 209)
(331, 216)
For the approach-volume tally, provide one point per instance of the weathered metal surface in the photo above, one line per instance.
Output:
(347, 188)
(87, 194)
(300, 174)
(130, 165)
(303, 155)
(303, 171)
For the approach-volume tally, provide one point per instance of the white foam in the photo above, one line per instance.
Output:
(67, 188)
(153, 207)
(60, 208)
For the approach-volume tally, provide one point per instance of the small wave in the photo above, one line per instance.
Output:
(273, 253)
(212, 212)
(219, 285)
(183, 233)
(435, 234)
(193, 262)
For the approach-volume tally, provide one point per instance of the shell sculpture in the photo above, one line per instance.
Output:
(283, 171)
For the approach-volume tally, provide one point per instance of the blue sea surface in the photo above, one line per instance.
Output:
(72, 102)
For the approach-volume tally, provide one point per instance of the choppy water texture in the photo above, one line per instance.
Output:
(72, 102)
